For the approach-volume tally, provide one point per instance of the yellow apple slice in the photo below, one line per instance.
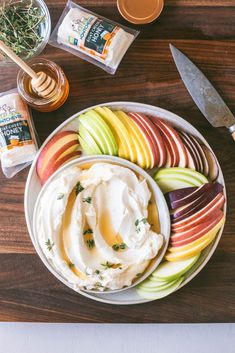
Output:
(126, 147)
(140, 138)
(196, 246)
(141, 158)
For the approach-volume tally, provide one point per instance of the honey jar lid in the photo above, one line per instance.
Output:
(140, 11)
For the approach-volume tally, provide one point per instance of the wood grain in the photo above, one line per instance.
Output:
(204, 30)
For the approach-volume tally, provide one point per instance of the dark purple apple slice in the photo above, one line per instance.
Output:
(175, 203)
(196, 205)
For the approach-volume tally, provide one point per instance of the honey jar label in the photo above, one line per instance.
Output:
(14, 128)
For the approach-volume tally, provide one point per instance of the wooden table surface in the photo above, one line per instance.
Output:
(204, 30)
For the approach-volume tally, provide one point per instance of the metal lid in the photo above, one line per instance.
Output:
(140, 11)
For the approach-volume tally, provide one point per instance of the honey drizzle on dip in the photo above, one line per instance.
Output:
(64, 241)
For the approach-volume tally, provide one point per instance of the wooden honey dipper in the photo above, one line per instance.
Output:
(44, 85)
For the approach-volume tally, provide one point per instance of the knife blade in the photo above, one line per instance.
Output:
(207, 99)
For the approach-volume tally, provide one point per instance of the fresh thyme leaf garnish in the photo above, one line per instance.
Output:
(98, 285)
(49, 244)
(90, 243)
(71, 265)
(88, 231)
(137, 223)
(107, 265)
(97, 272)
(110, 265)
(60, 196)
(117, 247)
(78, 188)
(20, 24)
(122, 246)
(87, 199)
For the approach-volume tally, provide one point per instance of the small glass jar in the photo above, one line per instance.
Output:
(39, 103)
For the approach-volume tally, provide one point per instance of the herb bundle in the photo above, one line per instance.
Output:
(20, 23)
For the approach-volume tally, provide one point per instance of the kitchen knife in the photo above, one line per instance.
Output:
(203, 93)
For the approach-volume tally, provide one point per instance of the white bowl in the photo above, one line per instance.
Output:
(164, 218)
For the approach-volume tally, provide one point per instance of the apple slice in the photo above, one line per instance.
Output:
(205, 164)
(197, 232)
(169, 271)
(191, 161)
(180, 153)
(167, 185)
(65, 142)
(196, 246)
(153, 149)
(156, 136)
(142, 151)
(158, 294)
(178, 194)
(153, 135)
(208, 227)
(138, 135)
(100, 132)
(213, 165)
(185, 173)
(153, 285)
(203, 215)
(88, 144)
(126, 147)
(193, 151)
(182, 197)
(186, 211)
(57, 164)
(172, 154)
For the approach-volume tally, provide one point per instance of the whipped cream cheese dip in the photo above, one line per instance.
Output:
(98, 226)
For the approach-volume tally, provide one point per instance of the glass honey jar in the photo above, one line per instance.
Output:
(27, 92)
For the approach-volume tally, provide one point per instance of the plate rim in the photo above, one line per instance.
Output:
(211, 248)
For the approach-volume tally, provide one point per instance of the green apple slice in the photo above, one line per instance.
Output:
(169, 271)
(126, 147)
(153, 286)
(110, 139)
(185, 173)
(88, 144)
(167, 185)
(85, 147)
(158, 294)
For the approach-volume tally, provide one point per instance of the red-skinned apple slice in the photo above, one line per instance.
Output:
(213, 165)
(156, 136)
(202, 155)
(154, 153)
(172, 156)
(202, 215)
(191, 161)
(62, 143)
(180, 153)
(174, 201)
(57, 164)
(193, 151)
(198, 203)
(197, 232)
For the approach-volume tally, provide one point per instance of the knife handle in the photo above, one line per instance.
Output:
(232, 130)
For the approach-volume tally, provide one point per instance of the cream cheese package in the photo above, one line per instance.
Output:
(18, 144)
(92, 37)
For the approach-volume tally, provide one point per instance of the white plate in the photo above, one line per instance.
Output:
(33, 188)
